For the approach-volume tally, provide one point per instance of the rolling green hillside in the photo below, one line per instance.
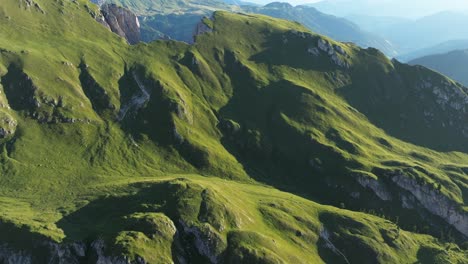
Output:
(453, 64)
(260, 143)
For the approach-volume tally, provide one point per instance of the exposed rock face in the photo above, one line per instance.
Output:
(52, 253)
(434, 202)
(413, 194)
(122, 22)
(336, 53)
(379, 189)
(7, 126)
(28, 4)
(201, 28)
(63, 254)
(10, 256)
(207, 241)
(137, 101)
(325, 235)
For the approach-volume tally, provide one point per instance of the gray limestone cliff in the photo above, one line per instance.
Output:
(121, 21)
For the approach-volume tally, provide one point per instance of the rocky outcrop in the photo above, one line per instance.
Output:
(379, 189)
(73, 253)
(207, 241)
(435, 202)
(413, 194)
(12, 256)
(7, 126)
(31, 4)
(325, 235)
(335, 52)
(50, 253)
(122, 22)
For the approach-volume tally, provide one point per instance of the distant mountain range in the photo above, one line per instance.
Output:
(376, 24)
(428, 31)
(454, 64)
(441, 48)
(177, 20)
(420, 34)
(385, 8)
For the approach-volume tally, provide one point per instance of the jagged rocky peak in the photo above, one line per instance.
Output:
(121, 21)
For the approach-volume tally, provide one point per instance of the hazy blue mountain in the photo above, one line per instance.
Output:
(376, 24)
(454, 64)
(238, 2)
(437, 33)
(400, 8)
(428, 31)
(441, 48)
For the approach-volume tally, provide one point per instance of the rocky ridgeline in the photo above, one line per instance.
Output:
(447, 94)
(449, 97)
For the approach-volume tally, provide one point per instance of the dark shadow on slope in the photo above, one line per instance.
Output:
(96, 94)
(19, 89)
(257, 129)
(411, 103)
(154, 115)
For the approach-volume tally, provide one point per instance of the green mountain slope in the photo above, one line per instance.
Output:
(254, 145)
(452, 64)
